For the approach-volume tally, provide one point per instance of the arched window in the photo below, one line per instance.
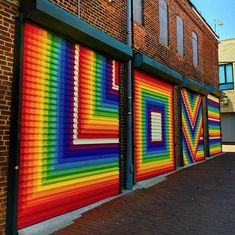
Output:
(138, 11)
(180, 35)
(163, 21)
(195, 48)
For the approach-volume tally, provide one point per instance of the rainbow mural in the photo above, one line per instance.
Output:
(214, 125)
(192, 127)
(69, 149)
(154, 136)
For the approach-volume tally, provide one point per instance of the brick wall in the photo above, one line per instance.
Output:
(109, 17)
(146, 39)
(123, 117)
(8, 13)
(69, 5)
(205, 127)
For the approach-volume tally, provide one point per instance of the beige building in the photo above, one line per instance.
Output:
(227, 84)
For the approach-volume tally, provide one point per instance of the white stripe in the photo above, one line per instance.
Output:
(156, 126)
(77, 141)
(95, 141)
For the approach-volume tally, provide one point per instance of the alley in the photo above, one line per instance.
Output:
(196, 200)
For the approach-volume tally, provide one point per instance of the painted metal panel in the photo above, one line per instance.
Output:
(228, 127)
(69, 150)
(154, 131)
(214, 125)
(192, 127)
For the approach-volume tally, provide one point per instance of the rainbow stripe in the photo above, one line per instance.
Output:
(192, 139)
(69, 150)
(214, 125)
(154, 136)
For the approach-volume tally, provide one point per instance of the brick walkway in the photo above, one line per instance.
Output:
(196, 200)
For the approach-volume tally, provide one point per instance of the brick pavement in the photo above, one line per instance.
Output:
(196, 200)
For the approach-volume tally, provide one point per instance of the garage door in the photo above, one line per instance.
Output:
(214, 125)
(69, 150)
(192, 127)
(228, 127)
(154, 136)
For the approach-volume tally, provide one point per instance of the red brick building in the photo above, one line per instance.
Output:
(98, 95)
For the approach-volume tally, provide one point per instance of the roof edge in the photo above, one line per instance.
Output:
(203, 19)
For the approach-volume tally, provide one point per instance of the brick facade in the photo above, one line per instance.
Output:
(177, 126)
(146, 41)
(122, 122)
(68, 5)
(205, 126)
(8, 12)
(110, 17)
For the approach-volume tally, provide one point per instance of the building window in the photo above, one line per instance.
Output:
(226, 77)
(163, 21)
(195, 48)
(138, 11)
(180, 35)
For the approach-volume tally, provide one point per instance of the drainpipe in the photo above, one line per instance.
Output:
(129, 134)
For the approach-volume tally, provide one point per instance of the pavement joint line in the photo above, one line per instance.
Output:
(59, 222)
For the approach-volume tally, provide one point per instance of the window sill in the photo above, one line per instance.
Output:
(167, 46)
(179, 56)
(138, 24)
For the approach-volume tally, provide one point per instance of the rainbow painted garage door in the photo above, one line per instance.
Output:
(214, 125)
(154, 118)
(69, 150)
(192, 127)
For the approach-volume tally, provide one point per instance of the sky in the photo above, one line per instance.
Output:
(222, 10)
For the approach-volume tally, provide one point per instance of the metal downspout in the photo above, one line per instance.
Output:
(129, 133)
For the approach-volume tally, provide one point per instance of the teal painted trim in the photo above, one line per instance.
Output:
(155, 68)
(55, 18)
(194, 86)
(210, 88)
(215, 91)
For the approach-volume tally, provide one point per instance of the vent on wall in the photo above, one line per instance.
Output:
(224, 101)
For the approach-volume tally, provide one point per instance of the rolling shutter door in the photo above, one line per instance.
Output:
(228, 127)
(69, 150)
(154, 118)
(192, 127)
(214, 125)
